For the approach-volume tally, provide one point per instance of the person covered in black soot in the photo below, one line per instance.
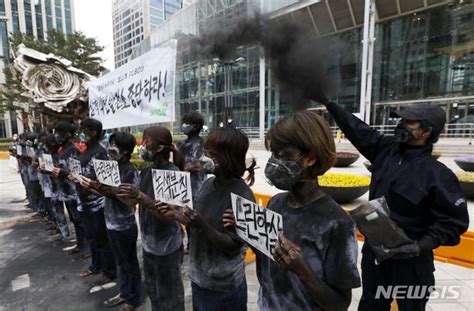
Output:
(423, 195)
(162, 239)
(217, 255)
(119, 214)
(315, 257)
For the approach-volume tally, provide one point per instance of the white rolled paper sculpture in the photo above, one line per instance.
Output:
(50, 80)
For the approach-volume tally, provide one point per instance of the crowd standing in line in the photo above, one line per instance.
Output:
(314, 264)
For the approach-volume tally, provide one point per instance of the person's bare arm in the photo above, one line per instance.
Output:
(219, 239)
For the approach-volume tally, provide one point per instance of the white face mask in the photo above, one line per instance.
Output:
(207, 164)
(145, 154)
(83, 137)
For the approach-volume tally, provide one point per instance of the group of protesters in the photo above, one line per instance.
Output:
(314, 263)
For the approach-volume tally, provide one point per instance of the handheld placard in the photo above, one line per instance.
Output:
(107, 172)
(75, 168)
(173, 187)
(256, 225)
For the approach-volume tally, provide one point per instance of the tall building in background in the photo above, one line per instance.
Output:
(423, 52)
(134, 20)
(36, 18)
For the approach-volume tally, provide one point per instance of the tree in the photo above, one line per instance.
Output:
(82, 51)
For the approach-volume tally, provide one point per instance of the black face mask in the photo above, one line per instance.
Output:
(403, 134)
(187, 128)
(283, 174)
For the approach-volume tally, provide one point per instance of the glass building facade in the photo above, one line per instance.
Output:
(425, 54)
(134, 20)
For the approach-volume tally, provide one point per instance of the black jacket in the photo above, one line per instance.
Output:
(424, 196)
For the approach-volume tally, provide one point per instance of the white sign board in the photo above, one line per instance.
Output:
(30, 152)
(173, 187)
(107, 172)
(48, 162)
(256, 225)
(140, 92)
(75, 168)
(19, 150)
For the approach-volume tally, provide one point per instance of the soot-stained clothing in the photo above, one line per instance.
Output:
(44, 178)
(67, 188)
(424, 196)
(192, 150)
(54, 181)
(119, 216)
(89, 201)
(32, 170)
(211, 268)
(326, 236)
(158, 238)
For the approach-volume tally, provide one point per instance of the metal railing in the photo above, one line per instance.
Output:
(451, 130)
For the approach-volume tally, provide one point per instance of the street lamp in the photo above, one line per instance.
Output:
(228, 101)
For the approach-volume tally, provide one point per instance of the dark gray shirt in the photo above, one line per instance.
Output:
(67, 188)
(54, 181)
(210, 268)
(192, 150)
(119, 216)
(45, 179)
(158, 238)
(89, 201)
(326, 236)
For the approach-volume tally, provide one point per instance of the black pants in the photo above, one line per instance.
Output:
(124, 246)
(212, 300)
(75, 217)
(417, 271)
(163, 281)
(25, 180)
(49, 209)
(101, 253)
(37, 196)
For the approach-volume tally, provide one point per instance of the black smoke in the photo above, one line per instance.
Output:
(296, 56)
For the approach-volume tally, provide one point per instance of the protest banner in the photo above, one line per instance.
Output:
(48, 162)
(75, 168)
(256, 225)
(173, 187)
(107, 172)
(139, 92)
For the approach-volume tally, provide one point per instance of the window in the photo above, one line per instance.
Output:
(39, 20)
(59, 15)
(28, 17)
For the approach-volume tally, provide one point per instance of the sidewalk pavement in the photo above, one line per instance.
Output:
(37, 275)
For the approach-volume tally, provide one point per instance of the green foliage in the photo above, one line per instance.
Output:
(178, 138)
(76, 47)
(4, 146)
(6, 140)
(139, 163)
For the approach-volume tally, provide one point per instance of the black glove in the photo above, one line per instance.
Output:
(401, 252)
